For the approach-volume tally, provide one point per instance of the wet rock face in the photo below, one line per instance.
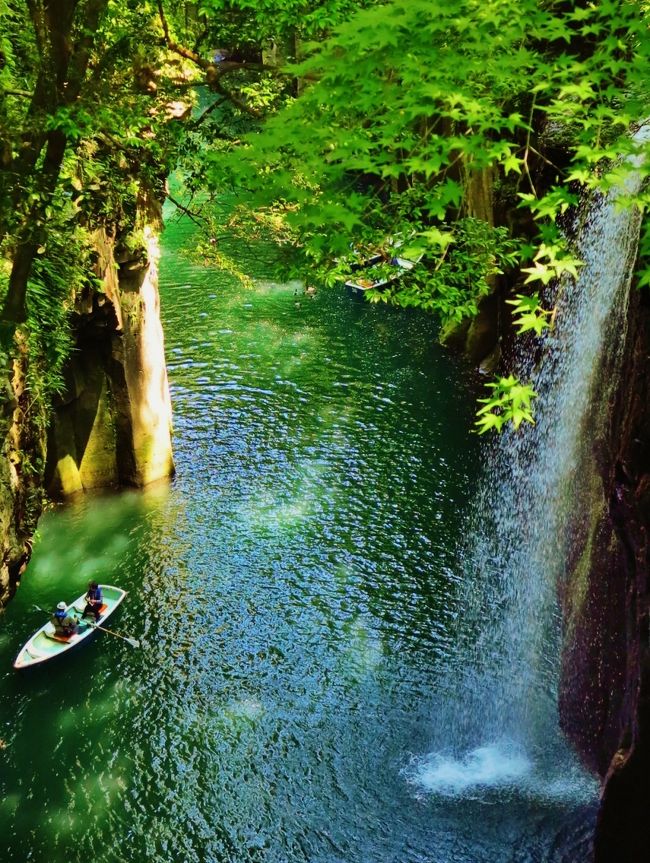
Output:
(112, 426)
(605, 689)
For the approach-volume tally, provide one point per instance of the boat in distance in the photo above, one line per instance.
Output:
(45, 644)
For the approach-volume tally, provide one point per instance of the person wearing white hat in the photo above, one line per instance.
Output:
(64, 624)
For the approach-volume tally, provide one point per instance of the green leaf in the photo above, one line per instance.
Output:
(490, 421)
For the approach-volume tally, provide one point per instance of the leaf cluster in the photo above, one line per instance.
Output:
(529, 314)
(426, 95)
(455, 270)
(411, 101)
(509, 401)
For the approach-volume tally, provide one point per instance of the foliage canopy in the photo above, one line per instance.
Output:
(461, 131)
(465, 127)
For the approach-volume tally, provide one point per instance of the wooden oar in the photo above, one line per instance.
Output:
(132, 641)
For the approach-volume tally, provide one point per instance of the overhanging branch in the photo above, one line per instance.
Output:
(194, 216)
(199, 61)
(213, 72)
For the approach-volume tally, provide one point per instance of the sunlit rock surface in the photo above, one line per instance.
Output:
(112, 426)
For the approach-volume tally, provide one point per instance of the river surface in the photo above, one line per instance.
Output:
(296, 594)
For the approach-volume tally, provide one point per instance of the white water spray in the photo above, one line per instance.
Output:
(496, 726)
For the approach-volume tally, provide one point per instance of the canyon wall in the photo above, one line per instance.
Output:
(22, 438)
(605, 687)
(112, 425)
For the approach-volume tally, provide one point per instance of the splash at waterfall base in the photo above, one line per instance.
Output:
(605, 685)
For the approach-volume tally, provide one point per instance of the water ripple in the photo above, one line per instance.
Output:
(295, 594)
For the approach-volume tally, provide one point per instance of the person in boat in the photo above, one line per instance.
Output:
(64, 624)
(94, 600)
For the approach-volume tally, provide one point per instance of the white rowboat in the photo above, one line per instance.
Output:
(46, 644)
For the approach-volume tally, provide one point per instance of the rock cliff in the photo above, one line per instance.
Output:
(22, 438)
(605, 688)
(112, 426)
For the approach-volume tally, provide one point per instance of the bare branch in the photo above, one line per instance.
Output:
(194, 216)
(37, 14)
(227, 66)
(201, 62)
(236, 101)
(544, 159)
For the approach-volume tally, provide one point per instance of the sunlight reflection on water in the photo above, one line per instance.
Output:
(294, 595)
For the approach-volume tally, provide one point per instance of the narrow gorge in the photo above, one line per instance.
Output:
(385, 571)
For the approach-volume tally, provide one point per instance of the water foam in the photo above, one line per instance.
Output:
(496, 770)
(487, 767)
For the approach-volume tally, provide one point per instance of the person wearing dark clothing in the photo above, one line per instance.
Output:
(64, 624)
(94, 600)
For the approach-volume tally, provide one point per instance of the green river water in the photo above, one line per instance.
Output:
(295, 594)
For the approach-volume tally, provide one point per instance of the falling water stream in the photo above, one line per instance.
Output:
(349, 638)
(533, 492)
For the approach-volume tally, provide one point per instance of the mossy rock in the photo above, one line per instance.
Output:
(67, 479)
(98, 466)
(453, 334)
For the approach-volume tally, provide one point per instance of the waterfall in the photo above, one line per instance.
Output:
(496, 723)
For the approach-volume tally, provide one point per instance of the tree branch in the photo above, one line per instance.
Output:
(218, 87)
(201, 62)
(25, 93)
(69, 73)
(212, 72)
(192, 215)
(37, 14)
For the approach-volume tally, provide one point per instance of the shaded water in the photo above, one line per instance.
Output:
(296, 595)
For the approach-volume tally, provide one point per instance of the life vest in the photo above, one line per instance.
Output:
(94, 594)
(63, 623)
